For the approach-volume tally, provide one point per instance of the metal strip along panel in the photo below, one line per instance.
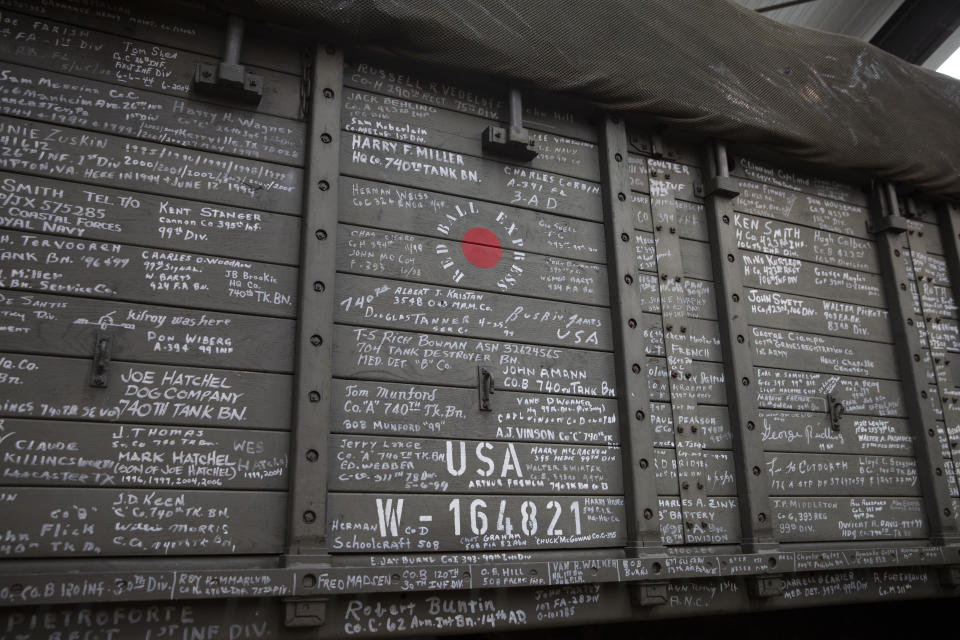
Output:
(889, 225)
(683, 381)
(312, 406)
(930, 273)
(949, 220)
(633, 393)
(753, 484)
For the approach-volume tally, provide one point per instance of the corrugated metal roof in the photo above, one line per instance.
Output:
(858, 18)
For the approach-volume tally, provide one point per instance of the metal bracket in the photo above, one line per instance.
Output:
(767, 586)
(512, 142)
(650, 594)
(229, 80)
(723, 186)
(893, 224)
(835, 410)
(100, 375)
(306, 612)
(485, 386)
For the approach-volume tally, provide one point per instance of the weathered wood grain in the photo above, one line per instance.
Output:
(142, 393)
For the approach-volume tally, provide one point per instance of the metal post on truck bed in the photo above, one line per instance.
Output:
(307, 504)
(753, 483)
(633, 393)
(889, 227)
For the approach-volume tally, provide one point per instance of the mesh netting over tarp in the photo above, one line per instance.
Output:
(708, 64)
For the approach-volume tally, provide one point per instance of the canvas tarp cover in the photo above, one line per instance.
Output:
(714, 66)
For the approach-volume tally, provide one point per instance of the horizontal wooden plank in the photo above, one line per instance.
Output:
(484, 102)
(946, 334)
(807, 391)
(808, 431)
(795, 431)
(420, 465)
(34, 94)
(39, 205)
(178, 24)
(429, 125)
(790, 275)
(712, 520)
(788, 205)
(73, 154)
(712, 422)
(803, 313)
(700, 299)
(419, 259)
(399, 305)
(400, 356)
(363, 156)
(814, 245)
(694, 255)
(696, 339)
(86, 454)
(708, 387)
(801, 519)
(826, 354)
(365, 523)
(387, 206)
(937, 301)
(822, 474)
(47, 387)
(932, 265)
(848, 519)
(108, 270)
(54, 46)
(673, 179)
(689, 216)
(393, 409)
(780, 176)
(62, 522)
(713, 467)
(68, 326)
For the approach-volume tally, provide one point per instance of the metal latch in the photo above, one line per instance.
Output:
(768, 586)
(648, 594)
(229, 80)
(100, 375)
(513, 142)
(836, 410)
(306, 612)
(485, 383)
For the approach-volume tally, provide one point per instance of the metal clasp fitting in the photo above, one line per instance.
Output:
(485, 384)
(836, 410)
(100, 375)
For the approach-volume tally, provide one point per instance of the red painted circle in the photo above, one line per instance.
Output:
(481, 247)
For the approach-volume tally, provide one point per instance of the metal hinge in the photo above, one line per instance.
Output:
(305, 612)
(767, 586)
(100, 373)
(512, 142)
(648, 594)
(485, 387)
